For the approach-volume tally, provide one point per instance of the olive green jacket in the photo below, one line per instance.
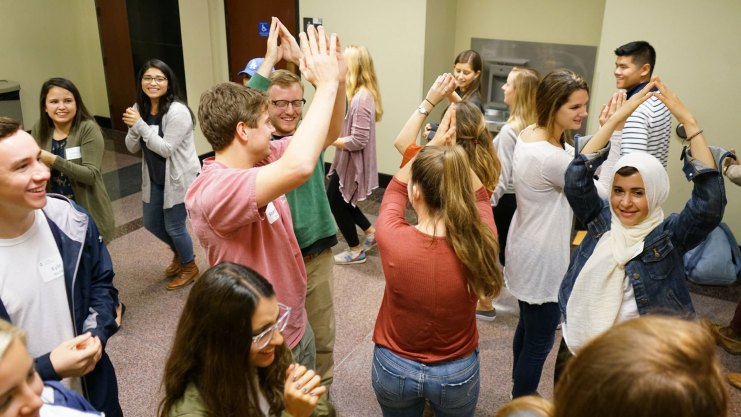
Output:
(84, 173)
(191, 405)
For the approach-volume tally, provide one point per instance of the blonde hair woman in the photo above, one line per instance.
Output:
(21, 386)
(519, 95)
(353, 174)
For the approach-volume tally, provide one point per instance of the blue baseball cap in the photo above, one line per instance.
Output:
(252, 66)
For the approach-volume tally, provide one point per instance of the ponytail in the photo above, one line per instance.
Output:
(443, 175)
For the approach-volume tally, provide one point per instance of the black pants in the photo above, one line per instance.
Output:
(345, 214)
(503, 213)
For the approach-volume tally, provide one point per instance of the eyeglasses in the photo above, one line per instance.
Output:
(262, 339)
(282, 104)
(158, 80)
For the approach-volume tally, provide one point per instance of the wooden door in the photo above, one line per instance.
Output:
(118, 64)
(242, 34)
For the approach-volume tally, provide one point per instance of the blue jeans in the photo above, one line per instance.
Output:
(533, 341)
(168, 225)
(402, 385)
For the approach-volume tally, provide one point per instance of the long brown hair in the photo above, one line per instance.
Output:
(553, 92)
(444, 178)
(650, 366)
(522, 111)
(172, 94)
(46, 125)
(473, 136)
(362, 73)
(212, 344)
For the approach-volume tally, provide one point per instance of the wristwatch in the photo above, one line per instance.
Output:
(422, 110)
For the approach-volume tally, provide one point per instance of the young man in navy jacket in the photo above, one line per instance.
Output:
(55, 275)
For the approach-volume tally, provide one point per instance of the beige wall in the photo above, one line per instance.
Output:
(698, 57)
(576, 22)
(43, 39)
(205, 59)
(439, 46)
(394, 33)
(63, 41)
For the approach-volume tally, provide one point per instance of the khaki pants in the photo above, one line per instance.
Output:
(304, 353)
(320, 311)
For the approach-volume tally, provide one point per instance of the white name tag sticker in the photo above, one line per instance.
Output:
(272, 213)
(73, 153)
(51, 269)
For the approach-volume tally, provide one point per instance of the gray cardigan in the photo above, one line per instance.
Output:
(177, 147)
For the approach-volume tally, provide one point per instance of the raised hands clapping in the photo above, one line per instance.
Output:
(443, 86)
(319, 63)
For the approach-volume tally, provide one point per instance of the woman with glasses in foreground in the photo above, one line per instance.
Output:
(229, 358)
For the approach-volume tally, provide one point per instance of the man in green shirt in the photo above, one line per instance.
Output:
(313, 223)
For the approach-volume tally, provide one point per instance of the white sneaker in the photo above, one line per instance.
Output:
(370, 241)
(350, 257)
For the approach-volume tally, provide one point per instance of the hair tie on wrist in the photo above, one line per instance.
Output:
(429, 102)
(689, 138)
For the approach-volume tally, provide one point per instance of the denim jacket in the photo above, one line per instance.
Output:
(656, 274)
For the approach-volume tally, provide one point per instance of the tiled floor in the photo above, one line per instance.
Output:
(139, 349)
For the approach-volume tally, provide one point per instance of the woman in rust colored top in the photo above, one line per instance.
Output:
(425, 335)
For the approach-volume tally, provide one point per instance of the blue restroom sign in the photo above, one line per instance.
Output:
(263, 29)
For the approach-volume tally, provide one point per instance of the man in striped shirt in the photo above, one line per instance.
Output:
(648, 128)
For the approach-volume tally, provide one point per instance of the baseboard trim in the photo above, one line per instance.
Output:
(103, 121)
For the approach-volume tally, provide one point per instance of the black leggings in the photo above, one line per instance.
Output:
(345, 214)
(503, 213)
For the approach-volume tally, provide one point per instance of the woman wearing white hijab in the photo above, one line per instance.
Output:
(630, 262)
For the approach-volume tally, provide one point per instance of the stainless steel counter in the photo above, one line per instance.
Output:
(494, 127)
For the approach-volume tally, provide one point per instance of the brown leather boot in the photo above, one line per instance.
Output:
(734, 379)
(174, 267)
(188, 274)
(724, 336)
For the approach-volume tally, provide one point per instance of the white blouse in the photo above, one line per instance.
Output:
(538, 244)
